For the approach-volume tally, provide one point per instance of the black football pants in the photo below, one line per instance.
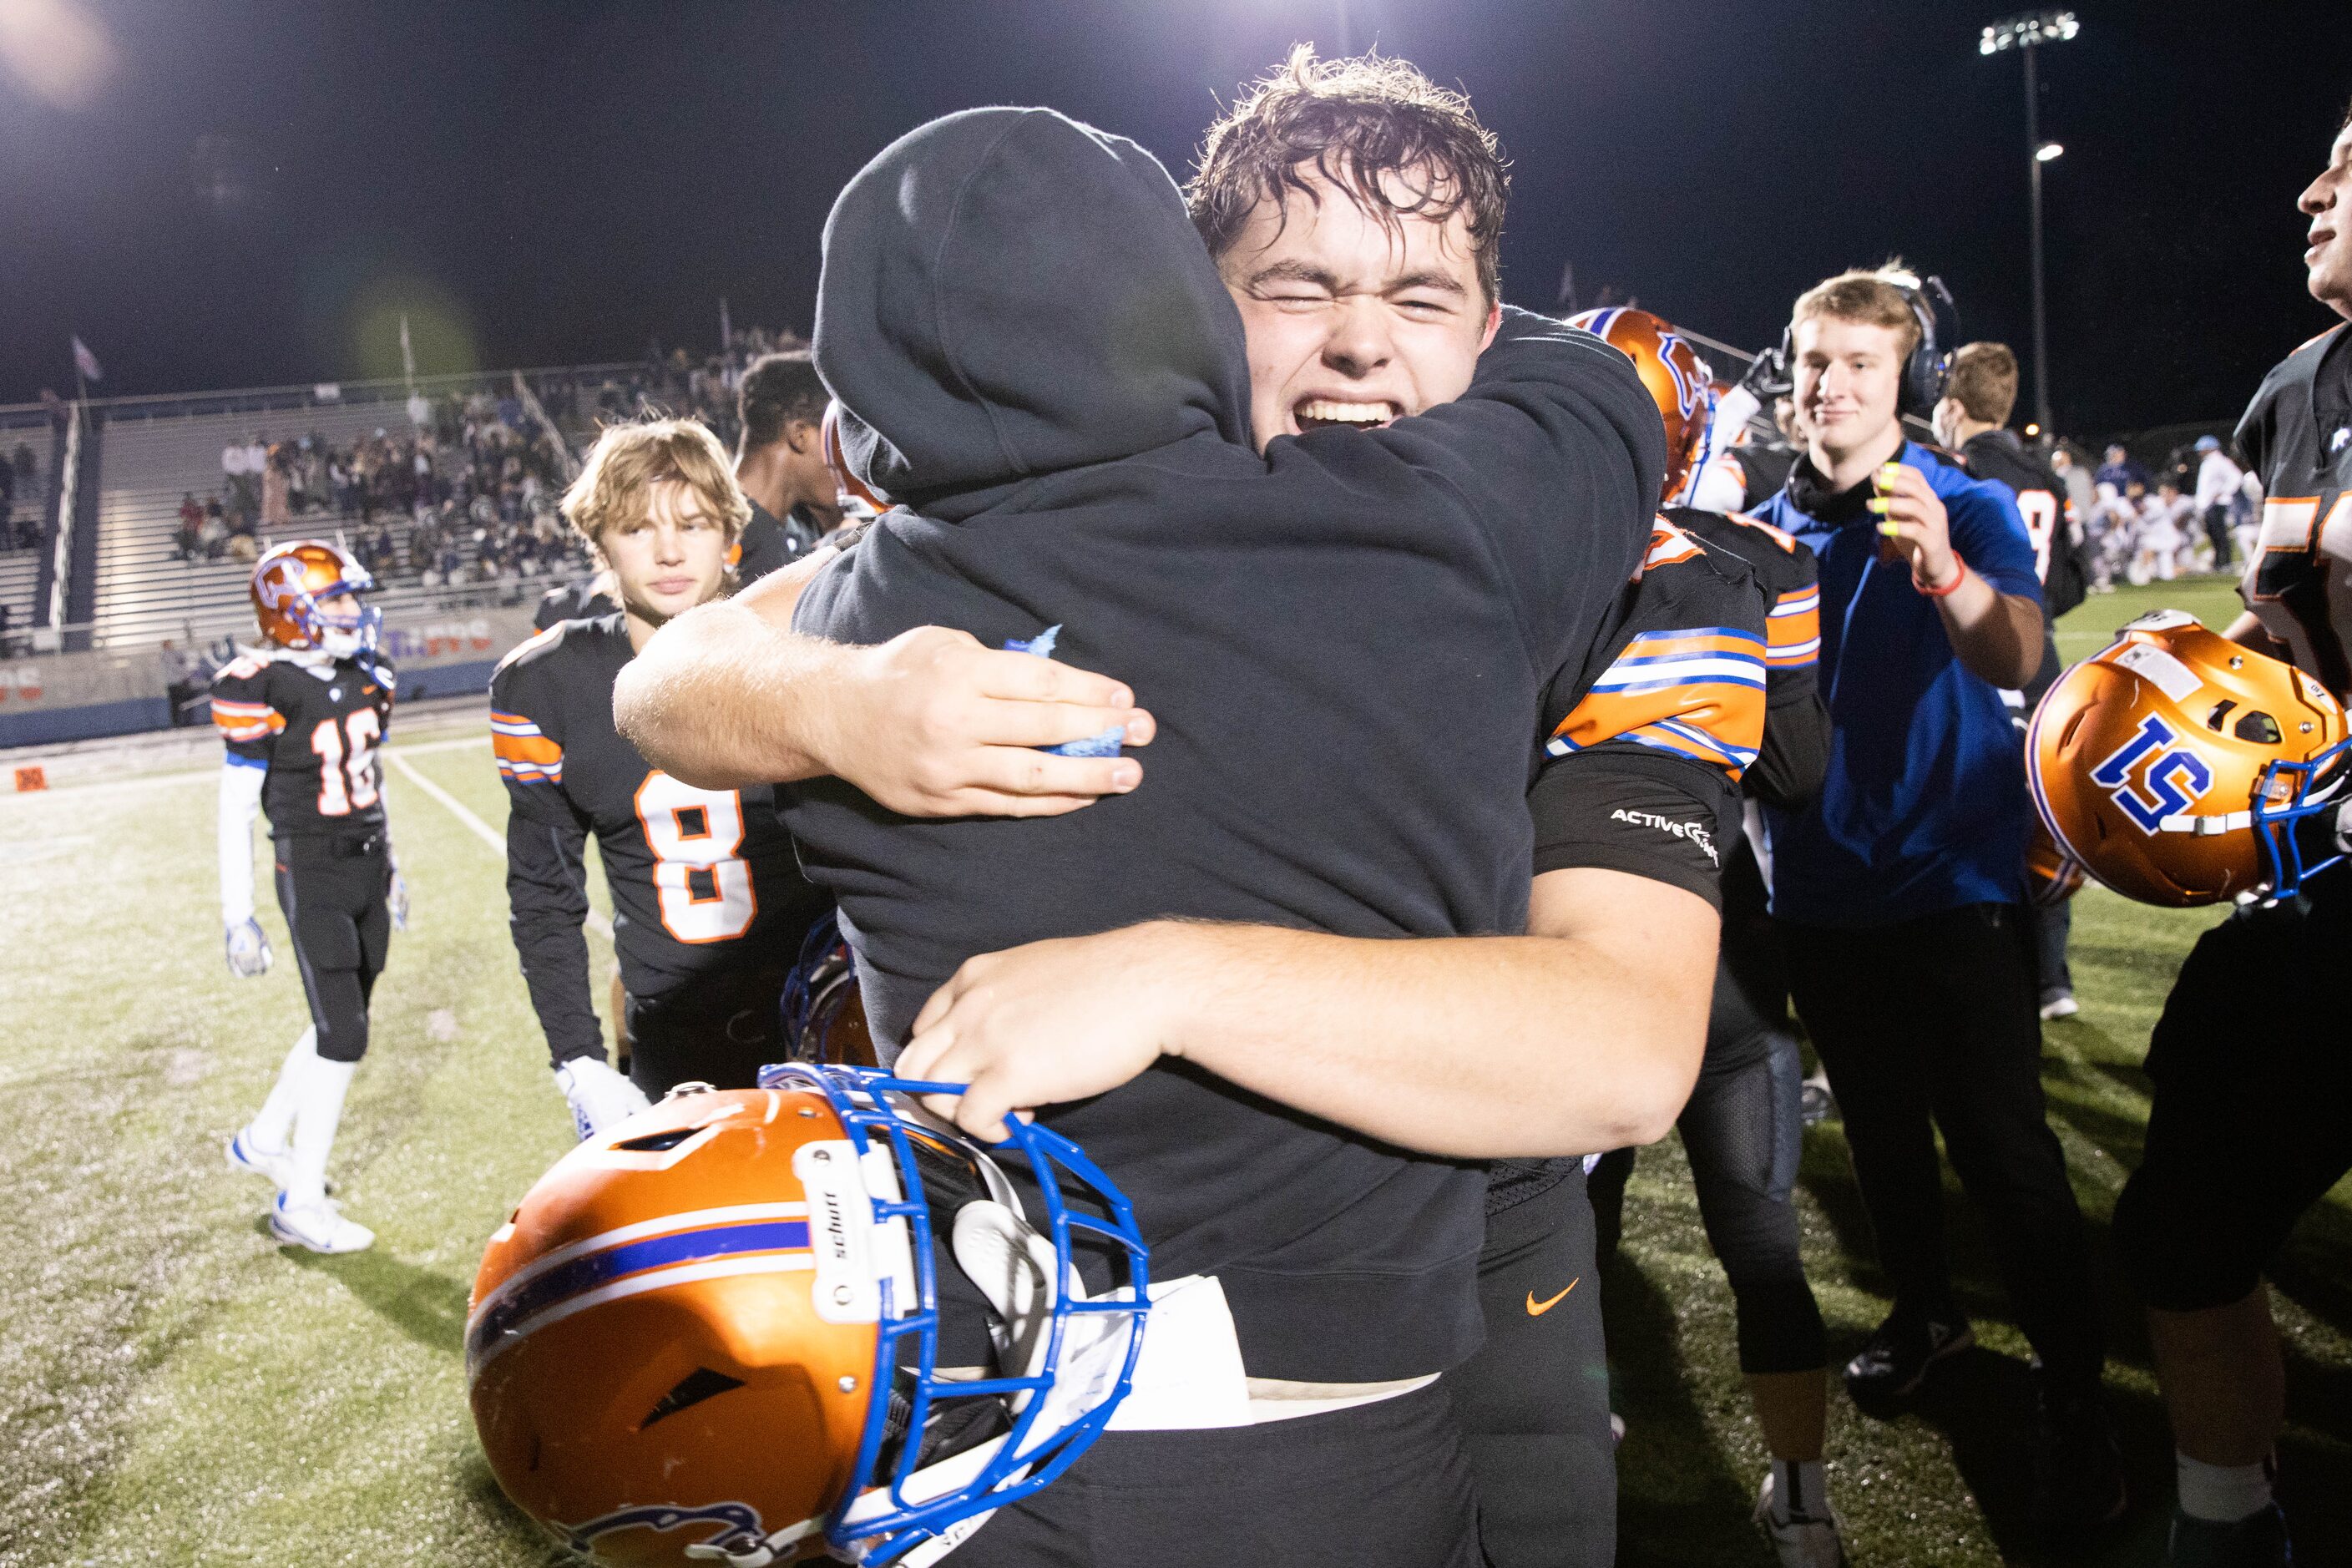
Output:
(1932, 1024)
(332, 890)
(1378, 1486)
(1534, 1401)
(2251, 1064)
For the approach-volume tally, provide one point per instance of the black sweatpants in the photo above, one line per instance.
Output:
(1931, 1023)
(2251, 1062)
(332, 890)
(1534, 1401)
(1378, 1486)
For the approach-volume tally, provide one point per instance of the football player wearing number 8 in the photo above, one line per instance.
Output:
(302, 718)
(708, 903)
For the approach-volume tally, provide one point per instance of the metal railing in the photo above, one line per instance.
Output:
(69, 496)
(389, 389)
(202, 628)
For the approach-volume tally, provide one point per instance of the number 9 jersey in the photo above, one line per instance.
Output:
(315, 724)
(709, 905)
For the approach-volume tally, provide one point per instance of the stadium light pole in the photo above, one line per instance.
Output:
(2025, 33)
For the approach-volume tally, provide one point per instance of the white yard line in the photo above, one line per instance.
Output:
(480, 829)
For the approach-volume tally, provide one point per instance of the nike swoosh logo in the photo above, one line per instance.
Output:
(1537, 1309)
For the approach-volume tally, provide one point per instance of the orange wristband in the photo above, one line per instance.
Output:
(1947, 589)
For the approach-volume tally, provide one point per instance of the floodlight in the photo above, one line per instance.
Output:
(2028, 29)
(2047, 151)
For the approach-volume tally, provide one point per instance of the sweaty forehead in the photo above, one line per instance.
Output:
(1327, 228)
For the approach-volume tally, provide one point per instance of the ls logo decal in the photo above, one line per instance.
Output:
(2158, 792)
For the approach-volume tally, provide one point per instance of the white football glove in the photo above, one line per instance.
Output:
(395, 899)
(248, 950)
(598, 1096)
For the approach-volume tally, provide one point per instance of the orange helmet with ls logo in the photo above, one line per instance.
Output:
(292, 586)
(1679, 380)
(2176, 764)
(712, 1332)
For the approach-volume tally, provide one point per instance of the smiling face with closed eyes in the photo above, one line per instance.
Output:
(1350, 320)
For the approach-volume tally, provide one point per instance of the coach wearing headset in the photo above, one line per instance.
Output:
(1898, 889)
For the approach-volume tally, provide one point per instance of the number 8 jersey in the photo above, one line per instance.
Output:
(702, 881)
(315, 724)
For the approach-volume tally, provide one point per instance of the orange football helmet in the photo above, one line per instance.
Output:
(712, 1332)
(1679, 380)
(2052, 876)
(290, 584)
(2175, 765)
(858, 499)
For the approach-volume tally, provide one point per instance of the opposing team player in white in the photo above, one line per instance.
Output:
(302, 718)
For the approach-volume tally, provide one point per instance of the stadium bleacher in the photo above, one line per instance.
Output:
(20, 570)
(146, 592)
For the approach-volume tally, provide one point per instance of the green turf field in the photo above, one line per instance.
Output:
(174, 1389)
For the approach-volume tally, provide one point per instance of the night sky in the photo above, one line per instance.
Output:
(252, 194)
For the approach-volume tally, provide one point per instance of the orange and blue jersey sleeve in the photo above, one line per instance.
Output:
(1683, 670)
(1644, 746)
(248, 724)
(526, 754)
(1792, 629)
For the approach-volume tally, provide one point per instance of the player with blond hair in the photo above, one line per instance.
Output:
(709, 906)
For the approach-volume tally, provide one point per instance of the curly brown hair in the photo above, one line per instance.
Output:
(1355, 121)
(615, 481)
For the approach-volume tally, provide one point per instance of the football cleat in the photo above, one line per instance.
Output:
(278, 1165)
(248, 949)
(318, 1228)
(1801, 1541)
(2258, 1541)
(2177, 766)
(1898, 1356)
(1677, 380)
(599, 1097)
(715, 1333)
(291, 587)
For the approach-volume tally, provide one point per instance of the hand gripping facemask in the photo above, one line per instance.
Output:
(714, 1333)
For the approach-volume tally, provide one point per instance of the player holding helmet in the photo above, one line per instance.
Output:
(2210, 770)
(708, 904)
(301, 719)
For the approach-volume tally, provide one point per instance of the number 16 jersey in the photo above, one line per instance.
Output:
(702, 881)
(315, 724)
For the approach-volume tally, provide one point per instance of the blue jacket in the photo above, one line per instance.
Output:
(1923, 807)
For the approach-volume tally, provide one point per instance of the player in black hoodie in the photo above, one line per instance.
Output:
(1347, 641)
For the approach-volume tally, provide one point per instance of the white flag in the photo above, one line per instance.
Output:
(87, 361)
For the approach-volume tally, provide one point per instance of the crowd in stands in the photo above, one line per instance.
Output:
(464, 490)
(20, 506)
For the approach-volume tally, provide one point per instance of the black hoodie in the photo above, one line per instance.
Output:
(1344, 641)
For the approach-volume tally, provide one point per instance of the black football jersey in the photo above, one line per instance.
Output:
(701, 879)
(315, 724)
(2297, 435)
(2041, 495)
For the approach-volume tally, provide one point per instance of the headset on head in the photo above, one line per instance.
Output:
(1929, 366)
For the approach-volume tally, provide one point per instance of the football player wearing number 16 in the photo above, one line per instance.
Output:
(302, 718)
(708, 903)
